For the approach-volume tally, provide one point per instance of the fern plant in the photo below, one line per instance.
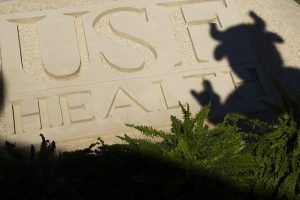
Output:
(191, 161)
(192, 145)
(263, 157)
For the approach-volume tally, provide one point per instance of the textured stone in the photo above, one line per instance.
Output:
(74, 73)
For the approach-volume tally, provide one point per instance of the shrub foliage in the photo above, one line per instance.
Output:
(240, 158)
(262, 157)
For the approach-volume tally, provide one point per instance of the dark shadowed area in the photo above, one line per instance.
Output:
(270, 60)
(109, 172)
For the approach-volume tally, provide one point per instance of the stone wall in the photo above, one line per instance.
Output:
(280, 18)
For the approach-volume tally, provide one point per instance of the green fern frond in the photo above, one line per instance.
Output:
(200, 118)
(176, 126)
(149, 131)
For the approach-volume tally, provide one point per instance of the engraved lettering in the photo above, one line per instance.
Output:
(98, 67)
(220, 82)
(49, 56)
(76, 107)
(122, 99)
(164, 94)
(137, 55)
(181, 29)
(32, 114)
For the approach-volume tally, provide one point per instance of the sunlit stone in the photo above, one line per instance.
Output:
(78, 72)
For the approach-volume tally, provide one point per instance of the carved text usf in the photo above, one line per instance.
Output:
(96, 68)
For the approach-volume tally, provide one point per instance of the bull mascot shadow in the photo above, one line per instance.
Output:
(265, 48)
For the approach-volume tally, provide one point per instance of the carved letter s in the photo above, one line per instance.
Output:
(133, 42)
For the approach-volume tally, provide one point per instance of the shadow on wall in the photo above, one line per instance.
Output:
(269, 58)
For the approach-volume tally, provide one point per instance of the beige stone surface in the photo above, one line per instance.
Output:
(75, 70)
(3, 1)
